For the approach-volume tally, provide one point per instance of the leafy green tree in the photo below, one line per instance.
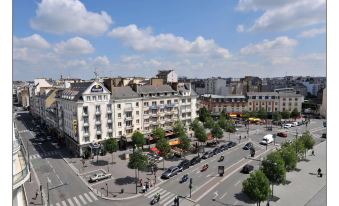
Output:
(276, 116)
(203, 114)
(164, 148)
(111, 146)
(158, 133)
(209, 122)
(195, 124)
(137, 161)
(274, 168)
(222, 122)
(294, 113)
(285, 114)
(200, 134)
(185, 143)
(257, 187)
(308, 141)
(289, 156)
(179, 129)
(299, 147)
(217, 131)
(230, 128)
(262, 114)
(138, 139)
(246, 115)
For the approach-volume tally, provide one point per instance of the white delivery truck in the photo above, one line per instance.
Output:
(267, 139)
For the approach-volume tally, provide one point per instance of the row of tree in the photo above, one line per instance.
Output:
(262, 114)
(274, 167)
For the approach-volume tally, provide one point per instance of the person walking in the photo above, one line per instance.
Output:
(147, 186)
(36, 194)
(319, 172)
(144, 189)
(313, 153)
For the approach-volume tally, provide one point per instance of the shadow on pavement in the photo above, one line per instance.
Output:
(125, 180)
(99, 163)
(244, 198)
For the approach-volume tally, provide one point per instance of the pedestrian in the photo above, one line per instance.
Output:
(313, 153)
(140, 181)
(245, 136)
(36, 194)
(319, 172)
(144, 189)
(147, 186)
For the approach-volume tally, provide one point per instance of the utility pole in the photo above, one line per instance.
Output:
(47, 194)
(190, 186)
(29, 164)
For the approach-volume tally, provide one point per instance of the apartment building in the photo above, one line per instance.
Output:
(230, 104)
(290, 101)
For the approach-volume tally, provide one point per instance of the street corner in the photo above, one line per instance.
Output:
(96, 176)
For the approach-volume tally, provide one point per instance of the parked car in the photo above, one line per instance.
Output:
(267, 139)
(282, 134)
(185, 164)
(170, 172)
(216, 151)
(154, 157)
(247, 169)
(286, 126)
(99, 176)
(212, 143)
(207, 154)
(223, 147)
(248, 146)
(324, 123)
(231, 144)
(323, 135)
(195, 160)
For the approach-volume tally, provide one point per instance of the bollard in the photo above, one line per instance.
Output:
(122, 190)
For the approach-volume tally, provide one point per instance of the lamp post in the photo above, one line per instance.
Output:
(107, 189)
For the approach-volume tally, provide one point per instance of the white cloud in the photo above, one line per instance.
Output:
(76, 45)
(313, 57)
(33, 41)
(285, 15)
(101, 61)
(279, 44)
(240, 28)
(312, 32)
(69, 16)
(144, 40)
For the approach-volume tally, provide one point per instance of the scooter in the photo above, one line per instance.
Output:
(155, 199)
(184, 178)
(221, 158)
(205, 167)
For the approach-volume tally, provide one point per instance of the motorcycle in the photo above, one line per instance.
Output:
(184, 178)
(205, 167)
(155, 199)
(221, 158)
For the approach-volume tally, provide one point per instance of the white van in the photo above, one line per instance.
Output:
(295, 124)
(267, 139)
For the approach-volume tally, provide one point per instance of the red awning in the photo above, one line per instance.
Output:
(154, 149)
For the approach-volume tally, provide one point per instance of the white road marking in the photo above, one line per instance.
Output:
(236, 202)
(70, 202)
(88, 198)
(93, 195)
(209, 174)
(164, 198)
(223, 195)
(64, 203)
(168, 199)
(76, 201)
(153, 192)
(237, 183)
(59, 179)
(49, 181)
(215, 194)
(58, 204)
(82, 199)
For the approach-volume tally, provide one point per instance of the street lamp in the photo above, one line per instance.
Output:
(107, 189)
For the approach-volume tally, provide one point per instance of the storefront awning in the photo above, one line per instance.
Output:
(154, 149)
(174, 142)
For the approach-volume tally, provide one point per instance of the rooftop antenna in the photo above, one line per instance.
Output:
(96, 74)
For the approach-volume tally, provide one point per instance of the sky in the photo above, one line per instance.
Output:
(196, 38)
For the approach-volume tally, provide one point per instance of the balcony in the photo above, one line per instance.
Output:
(97, 122)
(171, 105)
(146, 124)
(85, 124)
(146, 116)
(98, 132)
(162, 121)
(128, 109)
(109, 121)
(154, 115)
(153, 107)
(129, 118)
(162, 106)
(97, 112)
(174, 112)
(21, 169)
(129, 126)
(146, 108)
(85, 114)
(109, 111)
(86, 134)
(110, 130)
(161, 114)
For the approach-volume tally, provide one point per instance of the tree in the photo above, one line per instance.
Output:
(222, 122)
(257, 187)
(111, 146)
(185, 143)
(294, 113)
(179, 129)
(276, 116)
(217, 131)
(274, 168)
(137, 161)
(262, 114)
(308, 141)
(164, 148)
(209, 122)
(203, 114)
(246, 115)
(138, 139)
(289, 156)
(195, 124)
(285, 114)
(200, 134)
(158, 133)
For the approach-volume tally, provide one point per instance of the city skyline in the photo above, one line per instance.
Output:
(204, 39)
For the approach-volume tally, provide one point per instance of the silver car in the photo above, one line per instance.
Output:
(99, 176)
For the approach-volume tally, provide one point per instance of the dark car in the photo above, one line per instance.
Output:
(212, 143)
(323, 135)
(282, 134)
(216, 151)
(195, 160)
(248, 146)
(223, 147)
(207, 154)
(231, 144)
(185, 164)
(247, 169)
(170, 172)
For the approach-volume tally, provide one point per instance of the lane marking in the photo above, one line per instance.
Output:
(153, 192)
(88, 198)
(210, 174)
(64, 203)
(82, 199)
(70, 202)
(237, 183)
(76, 201)
(222, 196)
(58, 204)
(93, 195)
(168, 199)
(164, 198)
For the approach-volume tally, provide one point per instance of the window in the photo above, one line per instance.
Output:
(128, 114)
(120, 133)
(146, 104)
(161, 102)
(119, 106)
(168, 101)
(154, 103)
(183, 100)
(98, 136)
(175, 101)
(296, 99)
(284, 104)
(86, 129)
(290, 99)
(266, 97)
(110, 134)
(137, 113)
(109, 107)
(105, 98)
(188, 100)
(137, 121)
(129, 131)
(109, 116)
(295, 104)
(99, 98)
(269, 103)
(284, 99)
(250, 103)
(98, 128)
(109, 126)
(85, 119)
(97, 118)
(119, 124)
(119, 115)
(85, 110)
(137, 104)
(94, 98)
(97, 108)
(88, 98)
(128, 123)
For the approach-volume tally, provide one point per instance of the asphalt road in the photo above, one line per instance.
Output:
(66, 188)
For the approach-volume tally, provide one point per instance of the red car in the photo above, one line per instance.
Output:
(282, 134)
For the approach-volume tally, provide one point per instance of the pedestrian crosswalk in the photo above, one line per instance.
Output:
(35, 156)
(22, 131)
(79, 200)
(166, 198)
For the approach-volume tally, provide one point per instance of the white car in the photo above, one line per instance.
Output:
(99, 176)
(286, 126)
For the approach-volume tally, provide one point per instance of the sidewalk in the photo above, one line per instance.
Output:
(305, 187)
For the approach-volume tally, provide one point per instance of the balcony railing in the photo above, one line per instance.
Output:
(97, 123)
(109, 121)
(85, 124)
(129, 126)
(109, 111)
(110, 130)
(128, 118)
(98, 132)
(154, 115)
(85, 114)
(97, 112)
(128, 109)
(153, 107)
(86, 134)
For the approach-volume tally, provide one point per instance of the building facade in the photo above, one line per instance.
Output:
(230, 104)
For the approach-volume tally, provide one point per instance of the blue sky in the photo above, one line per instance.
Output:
(196, 38)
